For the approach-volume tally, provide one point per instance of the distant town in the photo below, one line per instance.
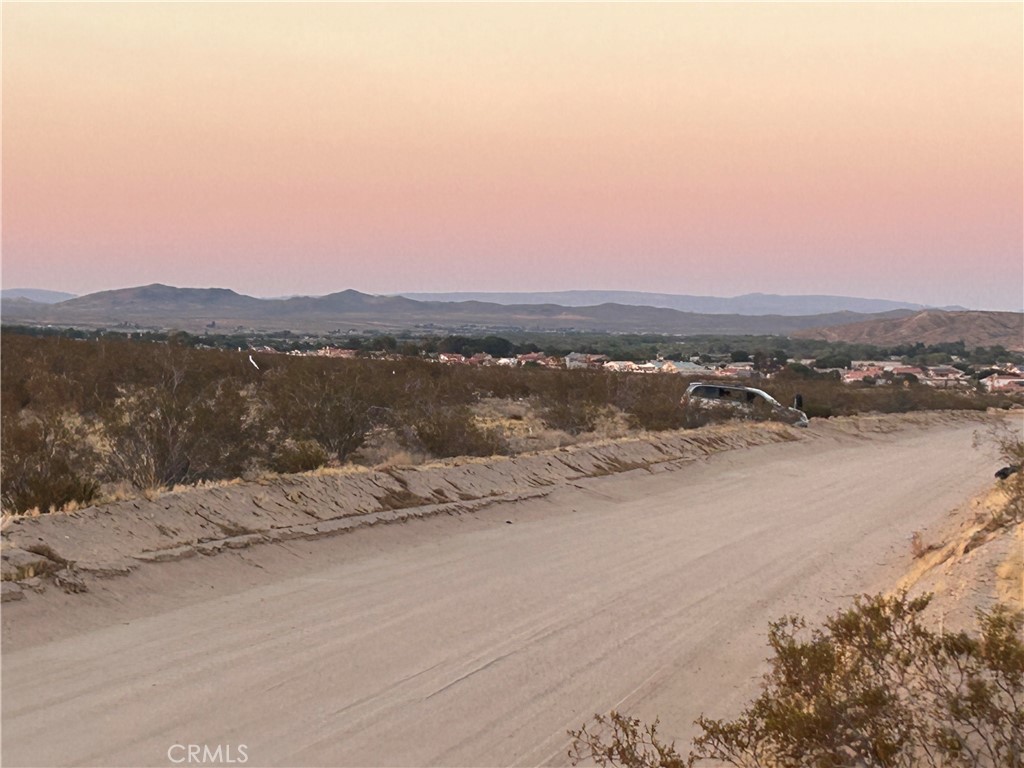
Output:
(1005, 377)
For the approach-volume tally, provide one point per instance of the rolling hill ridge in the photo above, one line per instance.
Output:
(163, 307)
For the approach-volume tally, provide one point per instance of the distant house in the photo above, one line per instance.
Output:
(864, 374)
(620, 366)
(1003, 382)
(346, 354)
(945, 376)
(686, 368)
(580, 360)
(539, 358)
(907, 370)
(530, 357)
(735, 371)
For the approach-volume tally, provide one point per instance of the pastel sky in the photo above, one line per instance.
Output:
(284, 148)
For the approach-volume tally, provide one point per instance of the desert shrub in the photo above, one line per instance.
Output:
(48, 452)
(48, 461)
(573, 401)
(569, 415)
(293, 456)
(162, 436)
(508, 383)
(652, 401)
(619, 740)
(825, 397)
(186, 420)
(449, 431)
(873, 687)
(333, 405)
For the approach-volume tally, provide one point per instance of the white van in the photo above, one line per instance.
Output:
(749, 402)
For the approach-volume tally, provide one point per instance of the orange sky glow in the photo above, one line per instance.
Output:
(283, 148)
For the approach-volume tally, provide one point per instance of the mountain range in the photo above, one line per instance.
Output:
(747, 304)
(36, 294)
(162, 307)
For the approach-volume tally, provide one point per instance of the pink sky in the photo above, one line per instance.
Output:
(855, 149)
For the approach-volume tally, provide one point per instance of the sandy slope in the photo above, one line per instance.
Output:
(472, 641)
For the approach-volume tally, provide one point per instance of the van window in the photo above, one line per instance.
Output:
(707, 392)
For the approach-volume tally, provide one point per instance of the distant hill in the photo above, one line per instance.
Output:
(36, 294)
(748, 304)
(194, 309)
(931, 327)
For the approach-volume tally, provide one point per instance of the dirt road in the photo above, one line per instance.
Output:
(478, 640)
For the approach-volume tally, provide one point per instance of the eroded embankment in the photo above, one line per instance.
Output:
(974, 563)
(113, 539)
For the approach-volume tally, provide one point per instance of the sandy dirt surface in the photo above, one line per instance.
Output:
(477, 639)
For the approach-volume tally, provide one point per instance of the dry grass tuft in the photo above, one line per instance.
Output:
(918, 548)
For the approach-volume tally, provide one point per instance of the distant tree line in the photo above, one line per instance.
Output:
(633, 347)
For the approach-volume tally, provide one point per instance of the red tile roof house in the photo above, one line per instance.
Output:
(873, 374)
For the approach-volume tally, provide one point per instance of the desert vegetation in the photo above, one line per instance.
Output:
(81, 416)
(873, 686)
